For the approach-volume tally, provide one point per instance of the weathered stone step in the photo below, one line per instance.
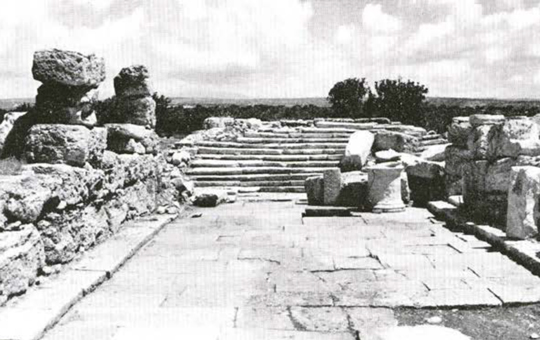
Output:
(292, 145)
(205, 184)
(309, 130)
(432, 142)
(307, 136)
(431, 137)
(253, 170)
(278, 158)
(254, 178)
(283, 189)
(212, 163)
(291, 151)
(288, 140)
(346, 125)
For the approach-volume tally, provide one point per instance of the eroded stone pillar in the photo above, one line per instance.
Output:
(523, 203)
(384, 188)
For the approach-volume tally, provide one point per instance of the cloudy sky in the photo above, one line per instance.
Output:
(284, 48)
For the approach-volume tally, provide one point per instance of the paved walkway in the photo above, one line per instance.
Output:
(259, 271)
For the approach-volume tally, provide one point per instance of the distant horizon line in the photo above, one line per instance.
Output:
(322, 97)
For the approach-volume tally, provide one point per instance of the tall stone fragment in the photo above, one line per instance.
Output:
(133, 82)
(331, 186)
(357, 151)
(134, 98)
(69, 91)
(478, 142)
(523, 214)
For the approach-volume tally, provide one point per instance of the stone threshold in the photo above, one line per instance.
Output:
(31, 315)
(524, 252)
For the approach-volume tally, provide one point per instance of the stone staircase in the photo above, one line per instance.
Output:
(279, 159)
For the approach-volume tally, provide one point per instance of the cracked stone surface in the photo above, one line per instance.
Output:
(258, 270)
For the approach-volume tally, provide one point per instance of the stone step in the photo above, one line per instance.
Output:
(205, 184)
(309, 130)
(346, 125)
(292, 145)
(289, 140)
(303, 135)
(212, 163)
(270, 151)
(432, 142)
(255, 178)
(278, 158)
(297, 189)
(253, 170)
(430, 137)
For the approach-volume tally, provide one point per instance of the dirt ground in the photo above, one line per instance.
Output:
(507, 323)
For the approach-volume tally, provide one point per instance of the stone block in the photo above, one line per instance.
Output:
(474, 180)
(354, 189)
(331, 186)
(387, 156)
(138, 111)
(459, 130)
(60, 104)
(209, 198)
(131, 139)
(315, 190)
(397, 141)
(133, 82)
(357, 151)
(497, 178)
(21, 257)
(65, 144)
(479, 140)
(426, 169)
(483, 119)
(453, 185)
(68, 68)
(523, 214)
(455, 158)
(426, 182)
(516, 136)
(435, 153)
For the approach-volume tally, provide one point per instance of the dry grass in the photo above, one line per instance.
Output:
(10, 166)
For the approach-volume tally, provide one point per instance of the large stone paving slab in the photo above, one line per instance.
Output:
(260, 269)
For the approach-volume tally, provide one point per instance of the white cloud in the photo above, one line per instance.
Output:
(345, 34)
(375, 20)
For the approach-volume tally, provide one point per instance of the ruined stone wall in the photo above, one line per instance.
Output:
(484, 149)
(79, 181)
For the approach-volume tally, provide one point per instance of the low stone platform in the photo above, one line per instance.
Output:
(260, 268)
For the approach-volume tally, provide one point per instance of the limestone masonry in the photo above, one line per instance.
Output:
(77, 182)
